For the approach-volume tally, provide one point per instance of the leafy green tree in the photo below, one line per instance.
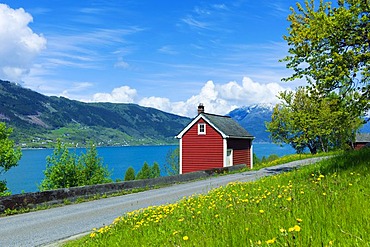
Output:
(172, 162)
(155, 171)
(9, 156)
(305, 120)
(256, 160)
(130, 174)
(62, 169)
(65, 169)
(272, 157)
(329, 46)
(144, 172)
(93, 170)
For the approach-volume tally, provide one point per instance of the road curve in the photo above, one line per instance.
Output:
(47, 227)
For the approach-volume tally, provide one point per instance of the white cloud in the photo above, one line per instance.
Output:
(122, 94)
(163, 104)
(121, 64)
(18, 43)
(219, 98)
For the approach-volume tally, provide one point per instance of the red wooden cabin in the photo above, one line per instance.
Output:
(362, 140)
(214, 141)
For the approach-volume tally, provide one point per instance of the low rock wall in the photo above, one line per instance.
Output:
(30, 200)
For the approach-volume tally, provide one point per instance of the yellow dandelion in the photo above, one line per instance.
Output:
(271, 241)
(185, 238)
(181, 220)
(324, 194)
(289, 198)
(175, 232)
(261, 211)
(350, 184)
(92, 235)
(282, 230)
(299, 220)
(259, 242)
(297, 228)
(280, 196)
(321, 176)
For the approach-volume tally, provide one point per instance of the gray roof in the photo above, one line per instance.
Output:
(363, 137)
(227, 125)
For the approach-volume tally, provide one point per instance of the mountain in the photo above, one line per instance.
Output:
(38, 120)
(253, 119)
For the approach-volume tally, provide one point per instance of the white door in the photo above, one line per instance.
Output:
(229, 157)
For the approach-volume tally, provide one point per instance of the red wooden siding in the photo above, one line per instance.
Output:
(201, 152)
(359, 145)
(241, 151)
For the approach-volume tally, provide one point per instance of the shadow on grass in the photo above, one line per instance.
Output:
(350, 160)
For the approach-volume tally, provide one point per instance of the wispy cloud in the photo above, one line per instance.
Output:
(170, 50)
(191, 21)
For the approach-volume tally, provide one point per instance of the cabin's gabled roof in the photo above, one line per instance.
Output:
(225, 125)
(363, 137)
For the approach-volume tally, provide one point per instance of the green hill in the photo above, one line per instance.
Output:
(38, 120)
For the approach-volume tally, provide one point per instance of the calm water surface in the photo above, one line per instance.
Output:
(29, 173)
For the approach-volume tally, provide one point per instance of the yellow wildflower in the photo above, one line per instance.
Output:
(271, 241)
(299, 220)
(185, 238)
(261, 211)
(297, 228)
(92, 235)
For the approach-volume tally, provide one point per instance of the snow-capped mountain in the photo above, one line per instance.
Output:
(253, 119)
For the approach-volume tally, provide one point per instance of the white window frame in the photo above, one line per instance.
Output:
(200, 128)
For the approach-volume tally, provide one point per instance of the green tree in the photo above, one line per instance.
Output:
(256, 160)
(330, 47)
(130, 174)
(172, 162)
(155, 171)
(144, 172)
(62, 169)
(305, 120)
(65, 169)
(93, 170)
(9, 156)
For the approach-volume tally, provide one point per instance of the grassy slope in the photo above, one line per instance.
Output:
(326, 204)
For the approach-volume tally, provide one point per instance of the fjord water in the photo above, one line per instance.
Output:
(29, 173)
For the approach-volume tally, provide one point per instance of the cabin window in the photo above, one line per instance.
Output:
(201, 129)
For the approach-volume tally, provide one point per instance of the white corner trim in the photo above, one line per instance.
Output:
(180, 156)
(251, 156)
(225, 151)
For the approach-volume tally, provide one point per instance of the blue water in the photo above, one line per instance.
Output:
(29, 173)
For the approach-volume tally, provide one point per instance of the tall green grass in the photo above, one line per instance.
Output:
(326, 204)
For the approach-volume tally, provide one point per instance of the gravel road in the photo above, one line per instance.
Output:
(52, 226)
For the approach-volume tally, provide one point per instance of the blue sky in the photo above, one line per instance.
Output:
(163, 54)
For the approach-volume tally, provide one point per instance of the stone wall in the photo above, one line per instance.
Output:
(30, 200)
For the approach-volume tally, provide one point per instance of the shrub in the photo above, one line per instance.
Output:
(130, 174)
(65, 169)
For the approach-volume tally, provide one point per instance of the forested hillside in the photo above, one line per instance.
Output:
(38, 120)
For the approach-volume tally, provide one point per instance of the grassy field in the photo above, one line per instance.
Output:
(326, 204)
